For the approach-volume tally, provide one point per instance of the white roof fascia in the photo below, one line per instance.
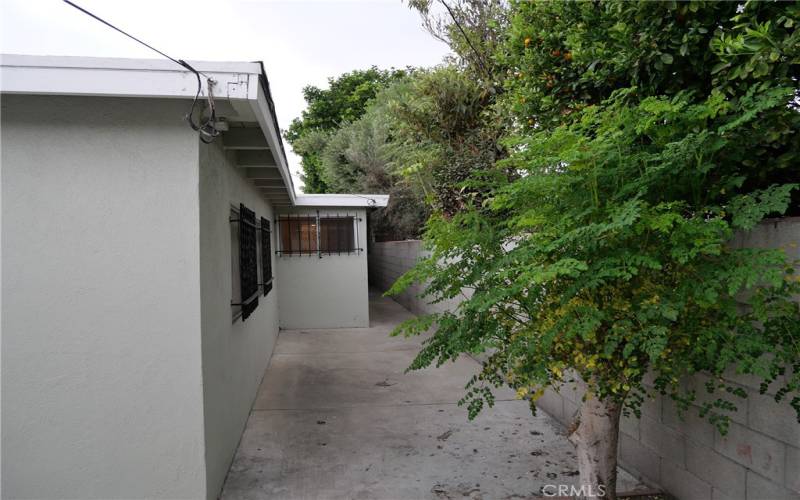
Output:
(92, 76)
(342, 200)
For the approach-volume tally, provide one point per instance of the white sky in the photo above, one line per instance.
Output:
(300, 42)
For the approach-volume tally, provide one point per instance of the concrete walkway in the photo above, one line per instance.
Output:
(336, 417)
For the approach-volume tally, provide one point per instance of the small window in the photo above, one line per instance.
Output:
(329, 234)
(244, 265)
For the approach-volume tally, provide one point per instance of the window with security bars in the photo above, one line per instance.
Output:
(309, 235)
(248, 261)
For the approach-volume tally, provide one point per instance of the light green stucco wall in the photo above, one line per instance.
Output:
(331, 292)
(102, 394)
(236, 354)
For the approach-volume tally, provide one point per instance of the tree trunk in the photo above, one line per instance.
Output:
(595, 440)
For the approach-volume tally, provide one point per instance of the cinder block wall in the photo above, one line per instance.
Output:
(759, 458)
(390, 260)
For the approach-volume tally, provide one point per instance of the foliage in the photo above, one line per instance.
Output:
(569, 55)
(455, 134)
(474, 29)
(601, 246)
(418, 140)
(344, 101)
(369, 155)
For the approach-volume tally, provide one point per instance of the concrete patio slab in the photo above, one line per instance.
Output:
(308, 381)
(336, 417)
(344, 341)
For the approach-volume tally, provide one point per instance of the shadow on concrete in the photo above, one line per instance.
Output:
(337, 417)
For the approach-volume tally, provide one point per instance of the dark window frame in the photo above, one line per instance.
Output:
(248, 260)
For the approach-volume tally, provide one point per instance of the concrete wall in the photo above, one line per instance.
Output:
(101, 359)
(235, 354)
(330, 292)
(759, 458)
(391, 259)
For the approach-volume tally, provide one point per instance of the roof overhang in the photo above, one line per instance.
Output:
(343, 200)
(240, 91)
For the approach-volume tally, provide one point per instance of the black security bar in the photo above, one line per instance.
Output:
(316, 234)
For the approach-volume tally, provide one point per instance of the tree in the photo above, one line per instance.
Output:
(566, 56)
(371, 155)
(607, 256)
(450, 132)
(474, 29)
(344, 101)
(418, 140)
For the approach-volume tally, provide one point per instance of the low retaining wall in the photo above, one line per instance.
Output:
(759, 458)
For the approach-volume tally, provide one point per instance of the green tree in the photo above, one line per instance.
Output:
(474, 29)
(371, 155)
(451, 134)
(344, 101)
(566, 56)
(600, 248)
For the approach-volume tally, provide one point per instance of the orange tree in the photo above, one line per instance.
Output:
(605, 253)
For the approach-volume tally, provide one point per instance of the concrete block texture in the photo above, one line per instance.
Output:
(639, 460)
(553, 404)
(793, 468)
(668, 443)
(755, 451)
(698, 384)
(691, 424)
(778, 421)
(683, 484)
(761, 488)
(630, 425)
(724, 475)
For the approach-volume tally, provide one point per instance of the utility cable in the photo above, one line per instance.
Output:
(206, 129)
(478, 55)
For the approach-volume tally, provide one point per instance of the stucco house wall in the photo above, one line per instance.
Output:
(327, 292)
(759, 458)
(125, 373)
(102, 393)
(235, 353)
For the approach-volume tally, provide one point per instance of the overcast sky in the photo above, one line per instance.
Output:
(300, 42)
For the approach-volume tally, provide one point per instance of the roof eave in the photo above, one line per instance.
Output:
(238, 82)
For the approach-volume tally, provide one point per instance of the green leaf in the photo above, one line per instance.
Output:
(749, 209)
(719, 67)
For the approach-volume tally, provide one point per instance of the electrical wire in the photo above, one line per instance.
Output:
(206, 129)
(478, 55)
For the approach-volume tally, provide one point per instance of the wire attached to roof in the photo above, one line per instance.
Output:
(206, 129)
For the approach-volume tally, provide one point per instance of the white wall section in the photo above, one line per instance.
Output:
(101, 359)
